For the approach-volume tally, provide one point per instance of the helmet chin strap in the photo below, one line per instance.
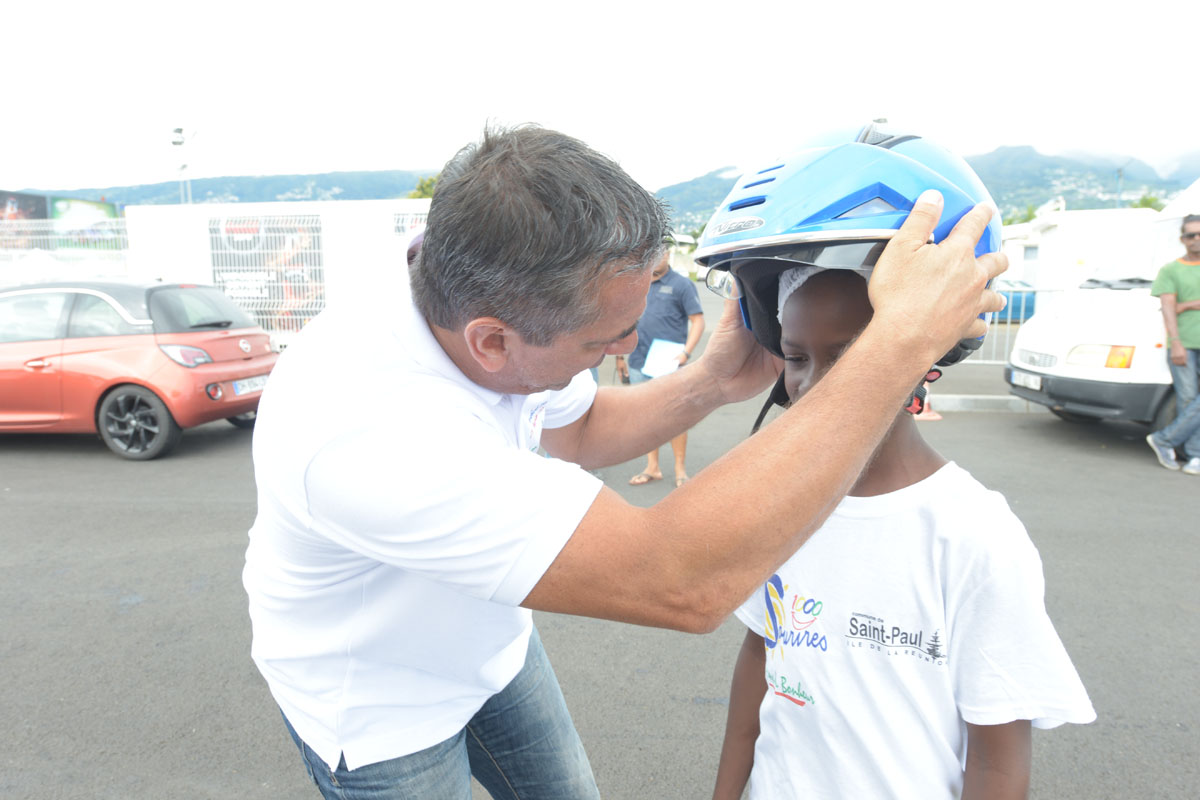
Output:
(779, 397)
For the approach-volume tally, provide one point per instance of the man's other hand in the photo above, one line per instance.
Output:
(738, 364)
(933, 294)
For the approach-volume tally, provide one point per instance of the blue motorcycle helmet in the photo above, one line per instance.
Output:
(833, 203)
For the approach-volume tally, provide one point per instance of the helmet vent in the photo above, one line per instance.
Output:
(873, 135)
(874, 206)
(876, 134)
(747, 202)
(759, 183)
(770, 169)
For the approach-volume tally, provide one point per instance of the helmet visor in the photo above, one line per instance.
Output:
(728, 273)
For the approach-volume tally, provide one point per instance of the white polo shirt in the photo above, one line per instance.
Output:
(403, 514)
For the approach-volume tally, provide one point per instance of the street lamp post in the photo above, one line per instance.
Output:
(185, 184)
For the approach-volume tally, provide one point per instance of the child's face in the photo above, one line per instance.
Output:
(820, 320)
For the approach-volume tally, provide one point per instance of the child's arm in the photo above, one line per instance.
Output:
(741, 726)
(998, 759)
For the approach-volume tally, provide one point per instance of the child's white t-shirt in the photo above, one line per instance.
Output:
(904, 617)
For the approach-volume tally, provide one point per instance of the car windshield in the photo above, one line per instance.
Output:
(1116, 283)
(182, 309)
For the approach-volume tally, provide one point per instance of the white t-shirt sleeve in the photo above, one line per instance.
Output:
(452, 502)
(752, 613)
(1006, 658)
(571, 403)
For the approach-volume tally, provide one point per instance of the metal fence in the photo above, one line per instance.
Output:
(1003, 327)
(273, 266)
(404, 223)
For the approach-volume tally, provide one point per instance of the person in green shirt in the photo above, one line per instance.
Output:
(1178, 287)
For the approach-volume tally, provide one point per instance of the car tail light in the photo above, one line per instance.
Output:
(214, 391)
(185, 354)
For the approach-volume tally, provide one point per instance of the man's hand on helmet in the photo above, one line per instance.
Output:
(933, 294)
(738, 364)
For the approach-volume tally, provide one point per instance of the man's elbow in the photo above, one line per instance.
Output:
(697, 611)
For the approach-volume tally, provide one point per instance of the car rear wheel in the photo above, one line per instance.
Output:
(244, 421)
(136, 424)
(1071, 416)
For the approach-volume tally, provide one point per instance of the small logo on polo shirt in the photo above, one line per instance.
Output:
(534, 432)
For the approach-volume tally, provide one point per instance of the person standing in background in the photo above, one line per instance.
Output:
(1178, 287)
(673, 314)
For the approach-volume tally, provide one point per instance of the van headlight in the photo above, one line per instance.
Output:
(1115, 356)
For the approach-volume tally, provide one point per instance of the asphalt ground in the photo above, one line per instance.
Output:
(125, 639)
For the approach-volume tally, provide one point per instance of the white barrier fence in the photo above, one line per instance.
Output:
(44, 249)
(282, 262)
(281, 266)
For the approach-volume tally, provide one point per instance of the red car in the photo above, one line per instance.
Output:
(136, 363)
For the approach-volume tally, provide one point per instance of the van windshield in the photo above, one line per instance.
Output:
(182, 309)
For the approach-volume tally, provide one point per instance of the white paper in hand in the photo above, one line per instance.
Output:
(662, 358)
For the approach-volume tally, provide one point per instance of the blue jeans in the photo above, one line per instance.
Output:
(637, 376)
(1185, 378)
(521, 745)
(1184, 432)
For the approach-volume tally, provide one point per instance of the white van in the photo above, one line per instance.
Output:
(1098, 352)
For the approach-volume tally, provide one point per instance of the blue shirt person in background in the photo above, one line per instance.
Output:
(673, 314)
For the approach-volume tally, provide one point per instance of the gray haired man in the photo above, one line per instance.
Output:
(407, 525)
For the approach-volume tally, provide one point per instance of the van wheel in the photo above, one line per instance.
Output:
(136, 424)
(1165, 415)
(1071, 416)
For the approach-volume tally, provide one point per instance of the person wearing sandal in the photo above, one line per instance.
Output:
(673, 315)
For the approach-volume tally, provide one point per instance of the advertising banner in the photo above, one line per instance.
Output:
(14, 205)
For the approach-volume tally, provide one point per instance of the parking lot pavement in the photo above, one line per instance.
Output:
(126, 642)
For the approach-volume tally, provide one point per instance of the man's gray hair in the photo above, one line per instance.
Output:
(524, 226)
(1189, 219)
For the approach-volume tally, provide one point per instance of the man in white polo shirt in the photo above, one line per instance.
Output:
(407, 525)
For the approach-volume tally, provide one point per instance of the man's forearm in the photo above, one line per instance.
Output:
(626, 422)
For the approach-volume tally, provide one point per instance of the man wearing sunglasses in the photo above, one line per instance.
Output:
(1178, 287)
(399, 549)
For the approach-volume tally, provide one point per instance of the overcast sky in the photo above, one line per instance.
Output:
(670, 90)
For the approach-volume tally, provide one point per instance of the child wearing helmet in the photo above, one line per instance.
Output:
(904, 651)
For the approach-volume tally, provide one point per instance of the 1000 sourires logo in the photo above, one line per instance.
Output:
(874, 633)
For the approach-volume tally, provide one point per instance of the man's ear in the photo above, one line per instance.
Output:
(488, 341)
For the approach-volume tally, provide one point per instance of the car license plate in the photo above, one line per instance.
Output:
(1027, 380)
(247, 385)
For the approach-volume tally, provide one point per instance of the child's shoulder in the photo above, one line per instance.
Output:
(974, 514)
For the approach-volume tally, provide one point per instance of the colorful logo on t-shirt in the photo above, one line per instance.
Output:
(789, 619)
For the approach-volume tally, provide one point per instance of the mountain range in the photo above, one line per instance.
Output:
(367, 185)
(1017, 177)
